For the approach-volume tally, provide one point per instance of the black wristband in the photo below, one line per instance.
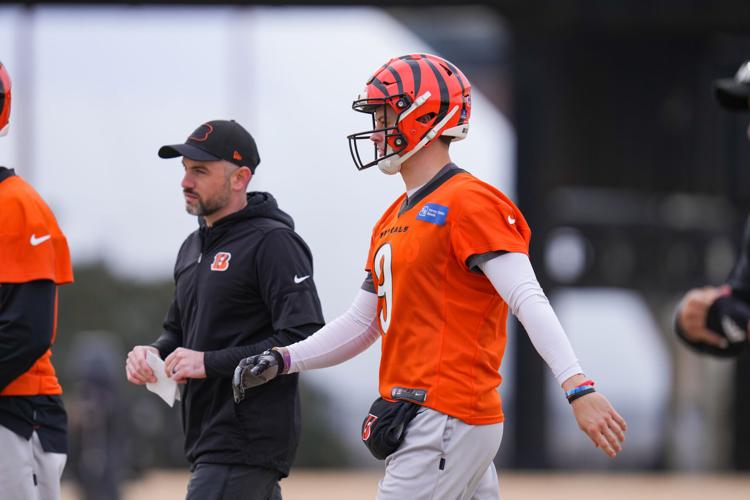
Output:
(580, 394)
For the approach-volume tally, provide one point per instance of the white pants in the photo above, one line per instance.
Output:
(443, 458)
(27, 472)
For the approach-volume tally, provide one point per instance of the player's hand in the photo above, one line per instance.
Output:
(183, 364)
(254, 371)
(601, 423)
(136, 368)
(692, 313)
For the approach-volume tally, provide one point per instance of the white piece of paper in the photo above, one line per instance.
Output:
(165, 387)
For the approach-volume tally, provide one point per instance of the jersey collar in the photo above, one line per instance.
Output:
(440, 178)
(6, 172)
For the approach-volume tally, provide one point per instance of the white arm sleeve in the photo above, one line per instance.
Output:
(341, 339)
(513, 277)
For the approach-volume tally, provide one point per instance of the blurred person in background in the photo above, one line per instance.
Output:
(710, 319)
(96, 409)
(243, 284)
(447, 260)
(34, 261)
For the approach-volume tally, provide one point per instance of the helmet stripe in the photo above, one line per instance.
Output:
(461, 83)
(379, 85)
(397, 77)
(416, 73)
(444, 94)
(376, 73)
(4, 113)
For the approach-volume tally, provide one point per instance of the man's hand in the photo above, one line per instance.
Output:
(601, 423)
(136, 368)
(692, 313)
(254, 371)
(596, 417)
(183, 364)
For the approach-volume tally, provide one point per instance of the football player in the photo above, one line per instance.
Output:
(448, 259)
(34, 261)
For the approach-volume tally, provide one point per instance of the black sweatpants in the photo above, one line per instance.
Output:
(230, 482)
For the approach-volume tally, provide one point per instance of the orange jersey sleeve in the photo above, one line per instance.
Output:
(32, 246)
(487, 221)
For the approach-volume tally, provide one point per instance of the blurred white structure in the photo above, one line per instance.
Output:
(620, 347)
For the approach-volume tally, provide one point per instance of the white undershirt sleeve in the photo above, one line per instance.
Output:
(339, 340)
(513, 277)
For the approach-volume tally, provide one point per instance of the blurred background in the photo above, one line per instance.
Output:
(596, 117)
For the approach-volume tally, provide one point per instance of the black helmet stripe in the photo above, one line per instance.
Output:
(416, 73)
(444, 94)
(2, 92)
(397, 77)
(379, 85)
(376, 73)
(463, 89)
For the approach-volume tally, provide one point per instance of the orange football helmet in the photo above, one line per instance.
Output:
(429, 96)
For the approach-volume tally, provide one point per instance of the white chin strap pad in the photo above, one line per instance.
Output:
(390, 165)
(4, 130)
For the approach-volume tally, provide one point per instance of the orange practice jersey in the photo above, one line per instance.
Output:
(32, 247)
(443, 326)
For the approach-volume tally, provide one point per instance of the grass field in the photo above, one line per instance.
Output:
(326, 485)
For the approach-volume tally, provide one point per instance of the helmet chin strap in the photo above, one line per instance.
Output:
(4, 130)
(392, 164)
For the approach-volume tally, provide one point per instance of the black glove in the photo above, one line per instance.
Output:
(256, 370)
(729, 317)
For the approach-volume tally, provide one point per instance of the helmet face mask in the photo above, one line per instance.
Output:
(394, 141)
(429, 98)
(4, 100)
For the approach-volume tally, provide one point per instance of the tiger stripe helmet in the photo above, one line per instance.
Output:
(430, 98)
(4, 100)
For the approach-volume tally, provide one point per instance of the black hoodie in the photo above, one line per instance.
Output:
(242, 286)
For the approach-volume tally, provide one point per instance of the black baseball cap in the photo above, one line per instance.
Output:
(217, 140)
(733, 93)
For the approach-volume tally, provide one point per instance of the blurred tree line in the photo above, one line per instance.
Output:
(122, 429)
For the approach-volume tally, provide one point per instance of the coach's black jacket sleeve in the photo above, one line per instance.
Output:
(26, 326)
(222, 363)
(739, 279)
(284, 270)
(171, 337)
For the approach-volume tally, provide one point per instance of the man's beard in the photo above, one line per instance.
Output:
(208, 206)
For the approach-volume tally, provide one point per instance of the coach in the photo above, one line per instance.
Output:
(716, 320)
(243, 284)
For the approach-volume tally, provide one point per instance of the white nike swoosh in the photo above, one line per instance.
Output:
(300, 280)
(511, 220)
(38, 241)
(734, 332)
